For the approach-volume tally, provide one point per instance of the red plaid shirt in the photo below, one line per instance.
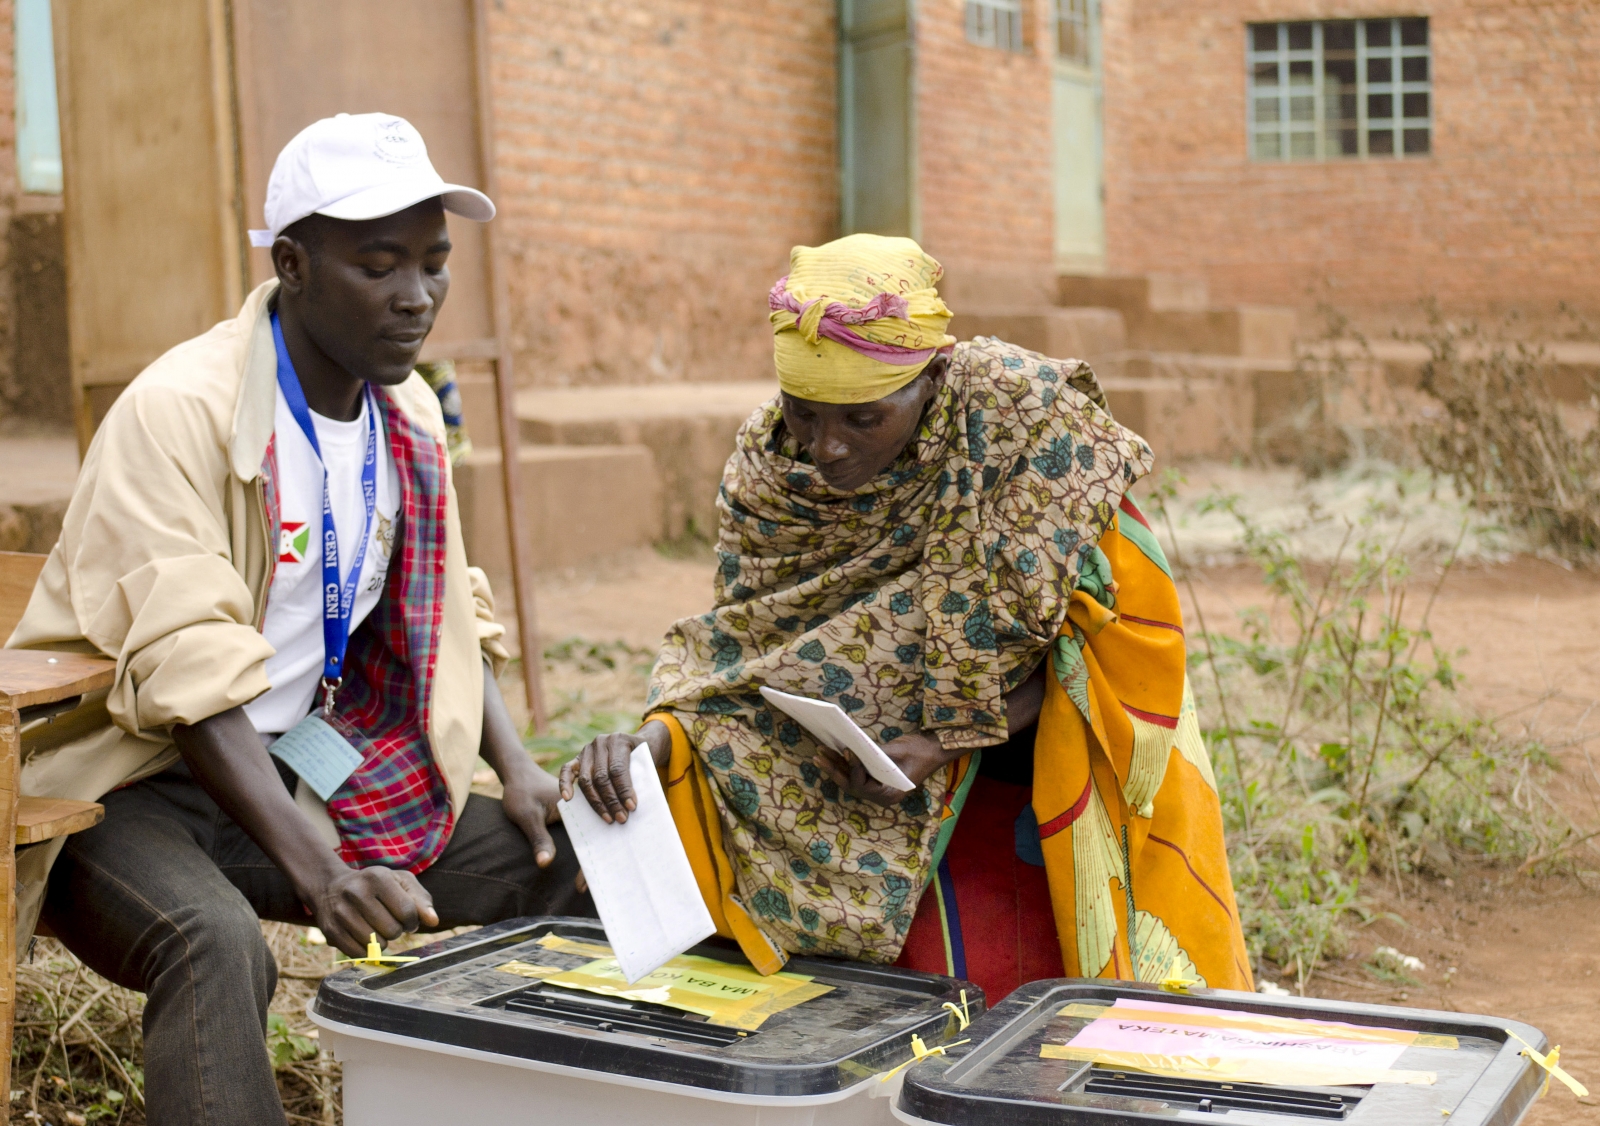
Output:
(394, 810)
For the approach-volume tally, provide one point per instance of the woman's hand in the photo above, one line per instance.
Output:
(917, 755)
(602, 770)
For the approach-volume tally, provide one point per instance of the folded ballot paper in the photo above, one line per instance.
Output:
(832, 726)
(639, 875)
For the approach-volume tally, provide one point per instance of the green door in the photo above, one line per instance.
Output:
(877, 150)
(1079, 199)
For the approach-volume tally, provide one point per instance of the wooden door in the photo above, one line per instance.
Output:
(877, 135)
(1080, 226)
(153, 239)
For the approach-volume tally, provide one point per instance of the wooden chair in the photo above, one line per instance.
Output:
(34, 684)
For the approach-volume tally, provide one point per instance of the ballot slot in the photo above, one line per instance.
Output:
(1330, 1103)
(603, 1015)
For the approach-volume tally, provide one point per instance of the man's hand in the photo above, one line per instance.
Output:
(917, 755)
(226, 757)
(530, 801)
(354, 903)
(602, 770)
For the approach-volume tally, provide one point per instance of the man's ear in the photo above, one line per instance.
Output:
(291, 261)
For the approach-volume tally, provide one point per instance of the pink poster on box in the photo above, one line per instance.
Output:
(1156, 1028)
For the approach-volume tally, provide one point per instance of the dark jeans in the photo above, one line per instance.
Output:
(163, 897)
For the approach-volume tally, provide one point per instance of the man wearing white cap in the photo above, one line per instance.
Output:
(264, 536)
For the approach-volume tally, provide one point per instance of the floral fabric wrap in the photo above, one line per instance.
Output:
(914, 602)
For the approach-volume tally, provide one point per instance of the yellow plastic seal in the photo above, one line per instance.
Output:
(375, 957)
(1552, 1067)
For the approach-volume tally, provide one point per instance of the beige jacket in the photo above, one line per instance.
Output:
(163, 565)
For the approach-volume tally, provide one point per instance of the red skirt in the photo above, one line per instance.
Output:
(986, 915)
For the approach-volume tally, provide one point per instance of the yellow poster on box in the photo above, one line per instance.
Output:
(725, 994)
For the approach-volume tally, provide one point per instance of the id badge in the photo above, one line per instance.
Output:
(318, 754)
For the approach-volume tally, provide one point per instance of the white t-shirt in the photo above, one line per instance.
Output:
(294, 604)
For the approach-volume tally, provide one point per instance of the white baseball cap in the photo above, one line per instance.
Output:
(359, 166)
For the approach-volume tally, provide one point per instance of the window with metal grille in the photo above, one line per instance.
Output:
(1332, 89)
(1072, 31)
(995, 23)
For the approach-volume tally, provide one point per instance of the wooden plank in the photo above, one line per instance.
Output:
(505, 388)
(39, 676)
(45, 819)
(10, 757)
(19, 571)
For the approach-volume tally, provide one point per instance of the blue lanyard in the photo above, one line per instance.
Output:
(338, 597)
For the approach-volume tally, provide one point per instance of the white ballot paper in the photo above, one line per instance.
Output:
(639, 875)
(834, 729)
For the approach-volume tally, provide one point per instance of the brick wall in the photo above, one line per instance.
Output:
(984, 173)
(657, 160)
(1504, 213)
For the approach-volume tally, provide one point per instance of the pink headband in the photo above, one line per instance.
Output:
(837, 317)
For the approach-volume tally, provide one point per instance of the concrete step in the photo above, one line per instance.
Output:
(1181, 418)
(1133, 295)
(1573, 366)
(1169, 313)
(688, 428)
(1252, 331)
(1198, 406)
(580, 503)
(37, 472)
(1095, 335)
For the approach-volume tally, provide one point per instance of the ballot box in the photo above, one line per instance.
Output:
(529, 1021)
(1071, 1051)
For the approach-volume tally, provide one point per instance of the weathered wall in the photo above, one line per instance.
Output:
(984, 172)
(656, 160)
(1504, 213)
(11, 394)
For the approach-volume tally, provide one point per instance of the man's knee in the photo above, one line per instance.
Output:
(227, 929)
(217, 936)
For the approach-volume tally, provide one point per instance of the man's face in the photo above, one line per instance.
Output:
(374, 289)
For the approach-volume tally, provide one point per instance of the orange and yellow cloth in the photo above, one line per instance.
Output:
(1129, 820)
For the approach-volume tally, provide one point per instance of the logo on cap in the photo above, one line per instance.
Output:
(396, 141)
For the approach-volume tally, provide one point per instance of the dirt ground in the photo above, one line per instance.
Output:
(1492, 941)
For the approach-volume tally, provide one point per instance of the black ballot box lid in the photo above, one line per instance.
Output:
(460, 993)
(1000, 1077)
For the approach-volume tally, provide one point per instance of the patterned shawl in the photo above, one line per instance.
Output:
(914, 601)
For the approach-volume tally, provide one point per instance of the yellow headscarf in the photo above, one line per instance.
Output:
(857, 319)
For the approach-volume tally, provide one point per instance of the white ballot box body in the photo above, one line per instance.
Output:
(393, 1080)
(530, 1020)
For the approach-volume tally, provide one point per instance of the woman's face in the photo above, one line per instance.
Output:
(851, 443)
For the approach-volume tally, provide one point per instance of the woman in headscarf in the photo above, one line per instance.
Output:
(937, 537)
